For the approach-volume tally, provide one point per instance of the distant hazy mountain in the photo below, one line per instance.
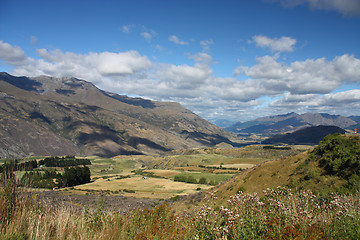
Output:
(63, 116)
(291, 122)
(305, 136)
(223, 123)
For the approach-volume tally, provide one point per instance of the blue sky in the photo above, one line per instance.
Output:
(234, 60)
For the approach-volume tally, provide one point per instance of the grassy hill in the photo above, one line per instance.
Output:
(332, 166)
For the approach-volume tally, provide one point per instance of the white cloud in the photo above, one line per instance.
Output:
(148, 35)
(12, 55)
(304, 77)
(185, 76)
(342, 99)
(177, 41)
(205, 44)
(127, 28)
(92, 66)
(123, 63)
(345, 7)
(34, 40)
(283, 44)
(344, 102)
(298, 86)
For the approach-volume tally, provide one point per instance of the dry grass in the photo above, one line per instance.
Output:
(235, 165)
(144, 188)
(163, 172)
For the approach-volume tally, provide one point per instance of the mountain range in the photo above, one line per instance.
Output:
(291, 122)
(68, 116)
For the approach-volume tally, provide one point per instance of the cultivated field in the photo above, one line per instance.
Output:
(142, 187)
(153, 177)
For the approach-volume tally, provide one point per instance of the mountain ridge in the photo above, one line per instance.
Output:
(90, 121)
(271, 125)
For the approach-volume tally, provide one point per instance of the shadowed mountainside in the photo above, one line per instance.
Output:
(305, 136)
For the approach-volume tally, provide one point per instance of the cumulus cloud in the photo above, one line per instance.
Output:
(12, 55)
(342, 99)
(317, 76)
(345, 7)
(283, 44)
(335, 103)
(177, 41)
(185, 76)
(297, 86)
(91, 66)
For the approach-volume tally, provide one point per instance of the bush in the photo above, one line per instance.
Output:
(202, 180)
(340, 155)
(75, 176)
(8, 195)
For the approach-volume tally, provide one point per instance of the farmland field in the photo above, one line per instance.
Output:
(153, 177)
(143, 187)
(163, 177)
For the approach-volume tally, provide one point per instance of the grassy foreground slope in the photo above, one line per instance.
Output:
(275, 213)
(332, 166)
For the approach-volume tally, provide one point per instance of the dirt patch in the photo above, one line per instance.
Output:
(236, 165)
(117, 203)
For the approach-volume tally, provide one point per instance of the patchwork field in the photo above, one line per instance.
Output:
(176, 173)
(158, 177)
(143, 187)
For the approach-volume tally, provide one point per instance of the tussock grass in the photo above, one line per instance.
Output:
(280, 214)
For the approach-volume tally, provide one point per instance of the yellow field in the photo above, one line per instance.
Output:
(163, 172)
(149, 187)
(106, 172)
(235, 165)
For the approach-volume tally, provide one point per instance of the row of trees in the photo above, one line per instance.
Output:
(67, 161)
(191, 179)
(16, 166)
(220, 167)
(49, 178)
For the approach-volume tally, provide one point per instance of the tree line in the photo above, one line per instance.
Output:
(45, 179)
(67, 161)
(191, 179)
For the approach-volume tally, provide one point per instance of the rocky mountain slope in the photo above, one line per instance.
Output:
(291, 122)
(68, 116)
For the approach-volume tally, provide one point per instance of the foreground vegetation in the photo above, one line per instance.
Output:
(281, 214)
(320, 199)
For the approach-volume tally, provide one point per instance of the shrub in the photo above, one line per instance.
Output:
(340, 155)
(202, 180)
(8, 196)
